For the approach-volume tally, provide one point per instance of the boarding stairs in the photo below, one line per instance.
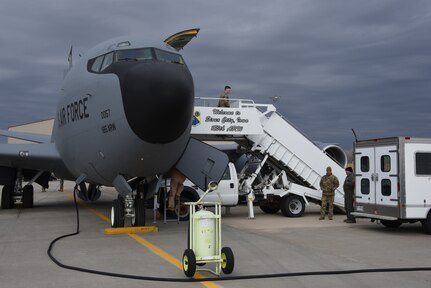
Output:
(269, 133)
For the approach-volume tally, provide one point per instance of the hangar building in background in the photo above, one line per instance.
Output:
(39, 127)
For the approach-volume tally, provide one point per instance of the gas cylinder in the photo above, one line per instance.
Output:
(204, 234)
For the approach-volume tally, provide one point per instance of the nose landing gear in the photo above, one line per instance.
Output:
(131, 206)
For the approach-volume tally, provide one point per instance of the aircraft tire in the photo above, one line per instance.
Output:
(139, 219)
(292, 206)
(117, 214)
(27, 196)
(7, 197)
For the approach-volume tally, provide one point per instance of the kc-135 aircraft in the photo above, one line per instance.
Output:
(123, 120)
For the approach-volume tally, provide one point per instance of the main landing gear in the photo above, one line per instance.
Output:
(12, 194)
(130, 206)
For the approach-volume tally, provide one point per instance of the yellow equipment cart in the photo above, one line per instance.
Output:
(205, 238)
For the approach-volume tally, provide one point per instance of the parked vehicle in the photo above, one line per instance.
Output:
(227, 189)
(393, 180)
(268, 187)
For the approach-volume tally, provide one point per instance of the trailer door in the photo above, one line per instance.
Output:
(365, 186)
(386, 180)
(377, 180)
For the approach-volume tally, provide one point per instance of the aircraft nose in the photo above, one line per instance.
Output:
(158, 100)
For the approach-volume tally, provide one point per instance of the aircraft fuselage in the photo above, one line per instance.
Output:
(124, 109)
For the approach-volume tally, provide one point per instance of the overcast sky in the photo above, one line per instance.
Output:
(335, 65)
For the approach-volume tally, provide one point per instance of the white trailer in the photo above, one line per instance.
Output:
(393, 180)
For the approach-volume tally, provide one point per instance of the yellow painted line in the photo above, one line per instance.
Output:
(129, 230)
(158, 251)
(149, 245)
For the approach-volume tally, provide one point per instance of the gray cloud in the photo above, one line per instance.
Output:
(336, 65)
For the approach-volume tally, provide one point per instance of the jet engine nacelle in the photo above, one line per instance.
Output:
(335, 152)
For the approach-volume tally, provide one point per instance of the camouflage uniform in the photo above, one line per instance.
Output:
(328, 184)
(224, 100)
(349, 195)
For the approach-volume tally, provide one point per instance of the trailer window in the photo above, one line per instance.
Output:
(423, 163)
(386, 187)
(385, 163)
(365, 164)
(365, 186)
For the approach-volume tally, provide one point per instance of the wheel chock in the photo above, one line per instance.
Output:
(129, 230)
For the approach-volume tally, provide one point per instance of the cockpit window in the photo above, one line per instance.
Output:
(96, 64)
(168, 57)
(134, 54)
(102, 62)
(107, 60)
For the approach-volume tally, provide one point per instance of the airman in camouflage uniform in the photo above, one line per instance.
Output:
(328, 184)
(224, 98)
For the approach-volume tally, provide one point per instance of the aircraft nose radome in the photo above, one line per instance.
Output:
(158, 101)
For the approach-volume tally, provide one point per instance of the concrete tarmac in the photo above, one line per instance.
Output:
(267, 244)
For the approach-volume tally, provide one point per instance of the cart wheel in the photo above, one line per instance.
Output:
(189, 263)
(228, 261)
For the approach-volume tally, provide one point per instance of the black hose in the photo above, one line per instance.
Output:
(226, 278)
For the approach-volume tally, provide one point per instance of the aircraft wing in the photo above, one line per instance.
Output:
(39, 157)
(33, 137)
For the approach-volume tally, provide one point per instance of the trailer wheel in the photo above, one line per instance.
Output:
(269, 208)
(426, 224)
(189, 263)
(391, 224)
(292, 206)
(228, 261)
